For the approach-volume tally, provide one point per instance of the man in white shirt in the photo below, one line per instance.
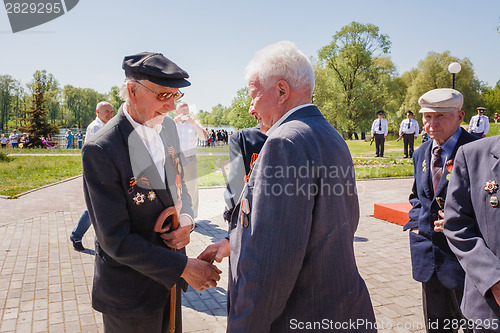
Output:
(408, 131)
(379, 132)
(189, 132)
(104, 112)
(14, 137)
(135, 196)
(479, 124)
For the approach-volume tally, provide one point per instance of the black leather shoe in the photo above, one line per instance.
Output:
(77, 245)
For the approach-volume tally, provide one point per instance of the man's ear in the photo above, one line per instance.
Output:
(283, 91)
(131, 88)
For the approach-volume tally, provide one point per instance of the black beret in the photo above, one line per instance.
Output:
(380, 112)
(409, 112)
(155, 67)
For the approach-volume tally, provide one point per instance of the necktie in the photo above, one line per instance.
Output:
(478, 120)
(380, 125)
(437, 167)
(409, 123)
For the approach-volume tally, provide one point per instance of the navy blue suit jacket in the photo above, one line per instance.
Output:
(429, 250)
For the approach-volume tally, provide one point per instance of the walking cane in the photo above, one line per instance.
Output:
(163, 227)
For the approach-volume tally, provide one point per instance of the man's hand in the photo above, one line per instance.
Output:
(495, 289)
(200, 274)
(438, 224)
(178, 238)
(216, 251)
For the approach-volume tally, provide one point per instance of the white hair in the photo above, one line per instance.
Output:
(279, 61)
(124, 90)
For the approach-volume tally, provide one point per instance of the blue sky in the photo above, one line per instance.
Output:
(214, 40)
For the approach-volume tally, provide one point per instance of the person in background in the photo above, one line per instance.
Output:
(495, 117)
(379, 132)
(408, 131)
(79, 137)
(69, 139)
(3, 141)
(189, 131)
(479, 124)
(433, 263)
(14, 139)
(104, 113)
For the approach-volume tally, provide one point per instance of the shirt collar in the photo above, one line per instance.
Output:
(99, 121)
(145, 133)
(284, 117)
(449, 144)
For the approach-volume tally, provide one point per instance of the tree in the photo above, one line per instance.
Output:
(432, 73)
(7, 91)
(35, 123)
(79, 105)
(350, 74)
(237, 113)
(114, 98)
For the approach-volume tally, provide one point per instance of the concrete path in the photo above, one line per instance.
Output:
(45, 286)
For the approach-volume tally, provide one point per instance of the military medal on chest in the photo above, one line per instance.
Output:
(245, 210)
(139, 198)
(424, 166)
(491, 187)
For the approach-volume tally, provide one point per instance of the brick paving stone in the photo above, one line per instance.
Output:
(46, 286)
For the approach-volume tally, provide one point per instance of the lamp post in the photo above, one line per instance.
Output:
(454, 68)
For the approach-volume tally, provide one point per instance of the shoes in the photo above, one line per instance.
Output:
(77, 245)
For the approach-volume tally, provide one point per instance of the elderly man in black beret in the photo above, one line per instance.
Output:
(132, 180)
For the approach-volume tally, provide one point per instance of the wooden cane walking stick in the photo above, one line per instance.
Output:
(161, 226)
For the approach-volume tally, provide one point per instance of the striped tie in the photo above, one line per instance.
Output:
(437, 167)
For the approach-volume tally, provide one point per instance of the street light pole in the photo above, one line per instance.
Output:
(454, 68)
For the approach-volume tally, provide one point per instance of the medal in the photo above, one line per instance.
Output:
(494, 201)
(151, 195)
(491, 186)
(424, 166)
(245, 210)
(448, 176)
(139, 198)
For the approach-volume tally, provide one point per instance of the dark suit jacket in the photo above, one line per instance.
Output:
(242, 145)
(134, 269)
(295, 259)
(472, 225)
(429, 250)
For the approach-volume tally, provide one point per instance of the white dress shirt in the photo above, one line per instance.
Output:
(383, 124)
(413, 129)
(188, 138)
(93, 127)
(484, 124)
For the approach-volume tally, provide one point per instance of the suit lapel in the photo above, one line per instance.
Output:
(495, 155)
(427, 175)
(143, 167)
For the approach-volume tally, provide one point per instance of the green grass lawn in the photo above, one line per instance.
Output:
(40, 151)
(23, 173)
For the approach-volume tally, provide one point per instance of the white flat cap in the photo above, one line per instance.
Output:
(441, 100)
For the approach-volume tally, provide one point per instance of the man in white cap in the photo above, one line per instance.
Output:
(434, 264)
(479, 124)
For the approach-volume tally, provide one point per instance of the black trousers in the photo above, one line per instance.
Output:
(155, 322)
(441, 307)
(379, 145)
(408, 140)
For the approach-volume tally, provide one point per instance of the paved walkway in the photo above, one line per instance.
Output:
(45, 285)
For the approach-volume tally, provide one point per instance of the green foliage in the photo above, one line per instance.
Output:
(80, 104)
(354, 77)
(35, 122)
(24, 173)
(432, 73)
(114, 98)
(238, 111)
(492, 100)
(4, 157)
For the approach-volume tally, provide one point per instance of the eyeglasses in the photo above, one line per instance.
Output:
(164, 96)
